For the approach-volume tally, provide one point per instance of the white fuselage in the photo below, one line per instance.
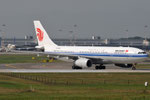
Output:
(123, 55)
(84, 56)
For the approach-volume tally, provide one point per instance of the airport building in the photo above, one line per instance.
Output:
(132, 42)
(139, 43)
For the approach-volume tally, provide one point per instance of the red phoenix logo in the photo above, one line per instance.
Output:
(40, 34)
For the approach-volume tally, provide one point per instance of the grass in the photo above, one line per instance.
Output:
(20, 58)
(74, 86)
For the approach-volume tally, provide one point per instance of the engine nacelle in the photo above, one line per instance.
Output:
(124, 65)
(83, 62)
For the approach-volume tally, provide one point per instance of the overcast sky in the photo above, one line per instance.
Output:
(105, 18)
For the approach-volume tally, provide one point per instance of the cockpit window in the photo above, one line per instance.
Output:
(141, 52)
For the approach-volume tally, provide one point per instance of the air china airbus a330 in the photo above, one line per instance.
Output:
(86, 56)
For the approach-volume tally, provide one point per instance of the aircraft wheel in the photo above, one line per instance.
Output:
(133, 68)
(103, 67)
(73, 67)
(96, 67)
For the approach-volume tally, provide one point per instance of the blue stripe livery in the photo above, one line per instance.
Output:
(103, 55)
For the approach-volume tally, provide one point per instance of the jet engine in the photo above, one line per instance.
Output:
(83, 62)
(124, 65)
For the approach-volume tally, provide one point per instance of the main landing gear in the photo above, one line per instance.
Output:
(76, 67)
(100, 67)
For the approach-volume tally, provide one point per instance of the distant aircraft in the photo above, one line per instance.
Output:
(86, 56)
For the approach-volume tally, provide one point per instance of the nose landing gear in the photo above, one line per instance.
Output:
(134, 66)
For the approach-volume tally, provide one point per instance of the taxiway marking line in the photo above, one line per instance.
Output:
(10, 66)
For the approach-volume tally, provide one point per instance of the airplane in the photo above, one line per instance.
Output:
(86, 56)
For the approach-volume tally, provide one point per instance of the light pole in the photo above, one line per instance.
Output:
(75, 32)
(71, 39)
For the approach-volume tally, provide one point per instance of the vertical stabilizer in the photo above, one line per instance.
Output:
(42, 36)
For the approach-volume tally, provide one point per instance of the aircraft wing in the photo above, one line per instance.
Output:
(75, 57)
(59, 56)
(25, 52)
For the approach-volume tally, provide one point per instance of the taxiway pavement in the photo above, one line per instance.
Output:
(62, 67)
